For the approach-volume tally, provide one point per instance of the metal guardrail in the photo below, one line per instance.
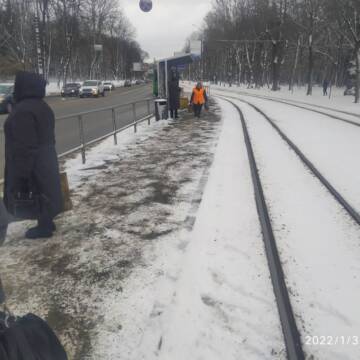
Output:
(81, 128)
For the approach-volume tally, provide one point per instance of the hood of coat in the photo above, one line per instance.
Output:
(29, 85)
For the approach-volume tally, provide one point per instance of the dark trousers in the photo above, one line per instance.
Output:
(325, 91)
(174, 112)
(197, 110)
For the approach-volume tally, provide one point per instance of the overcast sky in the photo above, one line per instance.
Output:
(165, 29)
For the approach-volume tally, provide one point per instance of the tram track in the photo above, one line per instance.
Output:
(291, 333)
(286, 314)
(281, 101)
(352, 212)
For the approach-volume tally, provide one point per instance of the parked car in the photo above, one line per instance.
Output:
(127, 83)
(71, 89)
(109, 86)
(92, 88)
(6, 97)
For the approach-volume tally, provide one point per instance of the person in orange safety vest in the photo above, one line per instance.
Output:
(198, 99)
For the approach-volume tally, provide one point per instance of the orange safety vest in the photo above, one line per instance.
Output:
(199, 97)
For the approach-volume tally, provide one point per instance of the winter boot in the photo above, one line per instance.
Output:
(38, 232)
(41, 231)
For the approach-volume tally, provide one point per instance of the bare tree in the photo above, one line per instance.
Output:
(67, 32)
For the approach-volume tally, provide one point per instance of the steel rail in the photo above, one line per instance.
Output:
(301, 107)
(338, 197)
(309, 104)
(289, 328)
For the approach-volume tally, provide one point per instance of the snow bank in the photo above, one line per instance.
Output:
(337, 100)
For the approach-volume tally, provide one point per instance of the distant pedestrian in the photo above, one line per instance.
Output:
(198, 99)
(325, 87)
(174, 94)
(31, 165)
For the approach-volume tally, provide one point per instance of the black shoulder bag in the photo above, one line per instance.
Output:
(27, 337)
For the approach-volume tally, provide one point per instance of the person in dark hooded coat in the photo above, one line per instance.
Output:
(174, 94)
(31, 163)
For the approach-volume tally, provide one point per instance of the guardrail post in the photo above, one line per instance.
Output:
(148, 110)
(82, 138)
(114, 125)
(134, 116)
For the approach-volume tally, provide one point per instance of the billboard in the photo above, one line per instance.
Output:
(137, 67)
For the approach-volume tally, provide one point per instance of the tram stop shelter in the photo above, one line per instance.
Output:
(163, 69)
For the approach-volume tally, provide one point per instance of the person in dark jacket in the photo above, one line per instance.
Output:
(31, 164)
(174, 94)
(325, 87)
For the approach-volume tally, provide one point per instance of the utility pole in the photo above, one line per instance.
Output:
(40, 65)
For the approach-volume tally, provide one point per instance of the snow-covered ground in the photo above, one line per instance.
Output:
(162, 256)
(318, 242)
(220, 304)
(134, 206)
(331, 145)
(337, 99)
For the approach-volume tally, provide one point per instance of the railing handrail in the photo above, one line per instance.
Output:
(102, 109)
(97, 110)
(78, 148)
(103, 137)
(115, 131)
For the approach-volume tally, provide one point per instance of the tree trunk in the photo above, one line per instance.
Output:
(251, 73)
(357, 79)
(264, 67)
(275, 66)
(291, 84)
(310, 68)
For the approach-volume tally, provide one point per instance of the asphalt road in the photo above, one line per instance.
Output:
(96, 124)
